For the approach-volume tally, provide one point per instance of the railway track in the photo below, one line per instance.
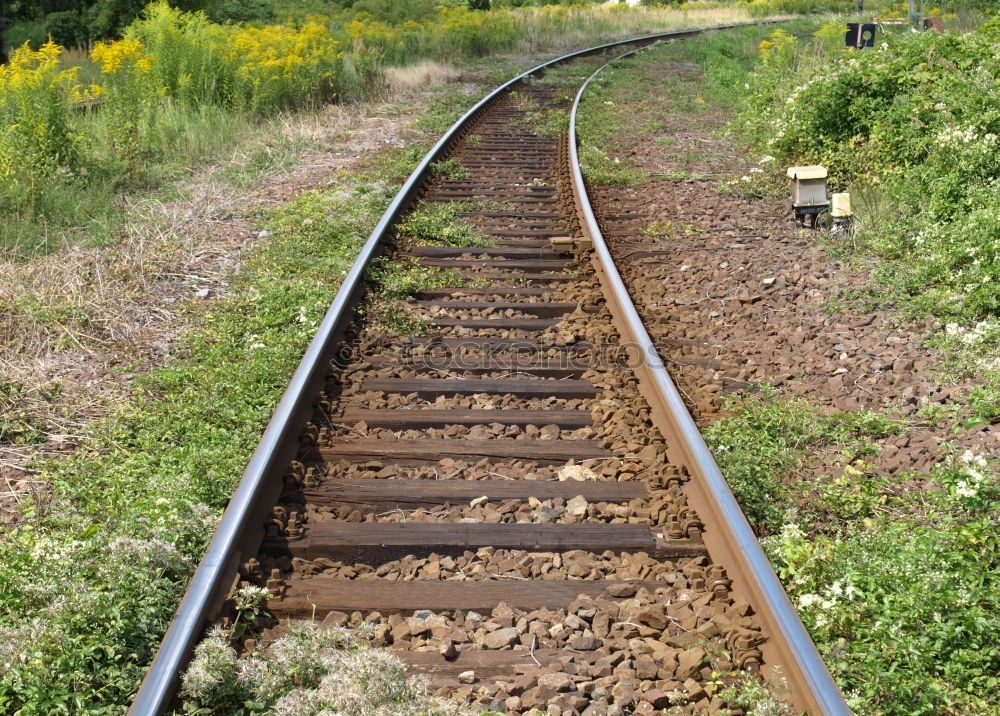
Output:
(516, 502)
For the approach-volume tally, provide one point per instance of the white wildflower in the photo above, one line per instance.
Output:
(963, 489)
(809, 600)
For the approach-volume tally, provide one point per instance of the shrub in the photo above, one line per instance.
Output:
(916, 117)
(897, 579)
(108, 18)
(66, 28)
(259, 69)
(129, 108)
(19, 33)
(242, 11)
(903, 603)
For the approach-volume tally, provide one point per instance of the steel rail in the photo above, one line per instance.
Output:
(813, 687)
(240, 530)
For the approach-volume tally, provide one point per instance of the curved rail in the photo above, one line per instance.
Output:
(239, 533)
(810, 678)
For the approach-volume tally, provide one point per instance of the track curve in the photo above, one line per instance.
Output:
(508, 494)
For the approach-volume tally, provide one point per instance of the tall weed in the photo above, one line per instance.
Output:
(38, 142)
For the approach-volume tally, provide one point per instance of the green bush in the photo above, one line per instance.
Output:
(38, 144)
(917, 117)
(904, 605)
(67, 28)
(21, 32)
(242, 11)
(109, 18)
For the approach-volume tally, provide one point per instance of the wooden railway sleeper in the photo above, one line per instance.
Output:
(677, 520)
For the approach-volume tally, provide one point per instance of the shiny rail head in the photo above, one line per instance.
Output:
(159, 686)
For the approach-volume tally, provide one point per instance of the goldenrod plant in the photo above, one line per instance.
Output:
(38, 142)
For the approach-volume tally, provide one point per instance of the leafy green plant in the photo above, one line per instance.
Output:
(17, 424)
(439, 224)
(901, 602)
(913, 118)
(768, 437)
(311, 670)
(395, 318)
(125, 521)
(248, 608)
(399, 279)
(450, 169)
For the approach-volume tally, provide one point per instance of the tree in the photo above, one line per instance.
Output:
(67, 28)
(479, 4)
(109, 17)
(395, 11)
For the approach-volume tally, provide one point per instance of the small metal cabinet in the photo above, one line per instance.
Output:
(808, 192)
(808, 186)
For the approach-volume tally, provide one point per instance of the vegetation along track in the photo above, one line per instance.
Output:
(512, 494)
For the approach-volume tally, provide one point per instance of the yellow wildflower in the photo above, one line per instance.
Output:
(115, 55)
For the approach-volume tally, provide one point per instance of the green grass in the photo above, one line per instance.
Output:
(769, 438)
(449, 169)
(897, 583)
(602, 169)
(90, 581)
(405, 277)
(445, 109)
(396, 281)
(439, 224)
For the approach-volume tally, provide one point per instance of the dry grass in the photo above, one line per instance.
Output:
(585, 26)
(402, 81)
(76, 325)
